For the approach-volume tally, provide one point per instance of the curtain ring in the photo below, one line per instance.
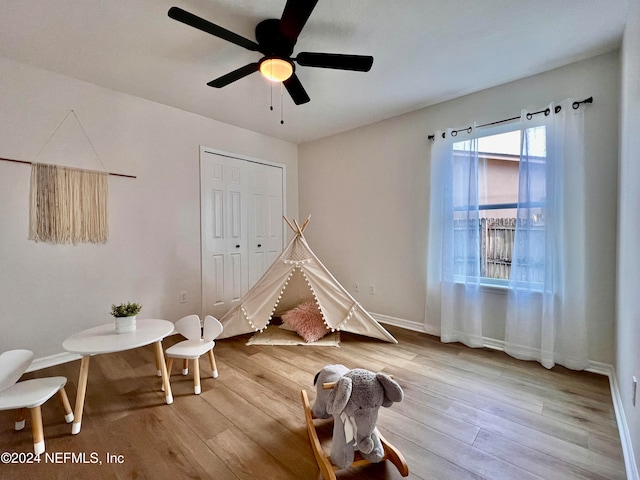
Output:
(558, 108)
(575, 105)
(444, 135)
(547, 112)
(454, 133)
(529, 116)
(469, 130)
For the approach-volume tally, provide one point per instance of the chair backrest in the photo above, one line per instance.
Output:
(190, 327)
(212, 328)
(13, 363)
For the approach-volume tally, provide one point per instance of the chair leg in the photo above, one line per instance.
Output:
(36, 426)
(169, 365)
(185, 366)
(20, 414)
(196, 376)
(212, 361)
(68, 413)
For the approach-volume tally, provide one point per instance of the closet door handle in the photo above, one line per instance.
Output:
(259, 245)
(237, 246)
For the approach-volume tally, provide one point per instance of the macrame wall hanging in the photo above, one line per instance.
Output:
(68, 205)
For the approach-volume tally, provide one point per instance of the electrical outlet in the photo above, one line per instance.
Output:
(356, 287)
(635, 390)
(183, 297)
(372, 289)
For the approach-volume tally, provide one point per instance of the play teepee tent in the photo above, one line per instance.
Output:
(295, 277)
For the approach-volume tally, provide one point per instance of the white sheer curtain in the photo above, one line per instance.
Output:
(453, 276)
(545, 303)
(546, 297)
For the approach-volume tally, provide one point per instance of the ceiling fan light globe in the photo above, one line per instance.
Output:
(276, 69)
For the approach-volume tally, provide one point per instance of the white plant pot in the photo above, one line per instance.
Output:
(125, 324)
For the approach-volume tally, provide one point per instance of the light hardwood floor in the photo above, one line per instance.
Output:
(467, 414)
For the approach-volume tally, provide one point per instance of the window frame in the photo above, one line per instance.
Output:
(497, 284)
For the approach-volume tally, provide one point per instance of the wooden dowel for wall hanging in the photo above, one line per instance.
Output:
(31, 163)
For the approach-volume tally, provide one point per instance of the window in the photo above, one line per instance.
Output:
(493, 163)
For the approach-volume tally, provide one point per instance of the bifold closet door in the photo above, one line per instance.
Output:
(241, 208)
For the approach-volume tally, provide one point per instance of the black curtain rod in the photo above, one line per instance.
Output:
(31, 163)
(546, 111)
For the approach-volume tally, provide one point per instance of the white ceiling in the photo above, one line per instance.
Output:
(425, 51)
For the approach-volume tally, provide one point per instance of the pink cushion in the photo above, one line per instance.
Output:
(307, 321)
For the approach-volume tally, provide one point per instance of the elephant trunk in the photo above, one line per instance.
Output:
(364, 422)
(365, 445)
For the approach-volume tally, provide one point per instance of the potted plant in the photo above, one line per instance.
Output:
(125, 314)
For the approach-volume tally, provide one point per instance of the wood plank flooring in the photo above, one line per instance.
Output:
(467, 414)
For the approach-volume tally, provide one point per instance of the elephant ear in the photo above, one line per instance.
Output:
(339, 396)
(392, 390)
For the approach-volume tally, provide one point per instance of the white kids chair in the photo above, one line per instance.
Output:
(29, 394)
(198, 341)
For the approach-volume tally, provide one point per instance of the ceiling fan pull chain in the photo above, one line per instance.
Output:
(271, 88)
(281, 104)
(271, 93)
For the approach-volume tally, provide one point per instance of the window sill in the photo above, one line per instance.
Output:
(494, 288)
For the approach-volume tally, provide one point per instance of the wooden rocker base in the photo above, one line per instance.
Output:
(327, 469)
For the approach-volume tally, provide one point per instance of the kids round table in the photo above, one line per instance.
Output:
(104, 339)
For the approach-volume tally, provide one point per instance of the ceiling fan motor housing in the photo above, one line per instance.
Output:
(272, 42)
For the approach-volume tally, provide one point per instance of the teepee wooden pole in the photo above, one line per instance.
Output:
(289, 223)
(306, 222)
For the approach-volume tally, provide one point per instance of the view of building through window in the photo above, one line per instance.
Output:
(497, 194)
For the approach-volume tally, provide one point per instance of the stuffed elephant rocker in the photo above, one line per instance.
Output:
(354, 403)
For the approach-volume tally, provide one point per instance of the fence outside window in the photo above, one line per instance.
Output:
(496, 240)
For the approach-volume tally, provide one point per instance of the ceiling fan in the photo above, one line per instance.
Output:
(275, 41)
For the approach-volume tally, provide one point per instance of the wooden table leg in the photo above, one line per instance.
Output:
(158, 367)
(82, 390)
(165, 375)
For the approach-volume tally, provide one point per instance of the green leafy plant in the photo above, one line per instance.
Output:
(125, 309)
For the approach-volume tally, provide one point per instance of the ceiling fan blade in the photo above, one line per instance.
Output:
(206, 26)
(360, 63)
(294, 17)
(231, 77)
(296, 90)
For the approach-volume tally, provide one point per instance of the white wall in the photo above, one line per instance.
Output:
(628, 310)
(48, 292)
(368, 191)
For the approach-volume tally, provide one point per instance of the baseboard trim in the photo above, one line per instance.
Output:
(623, 427)
(52, 361)
(407, 324)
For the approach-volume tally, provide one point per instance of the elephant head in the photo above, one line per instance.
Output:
(356, 399)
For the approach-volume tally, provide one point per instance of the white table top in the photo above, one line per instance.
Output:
(104, 339)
